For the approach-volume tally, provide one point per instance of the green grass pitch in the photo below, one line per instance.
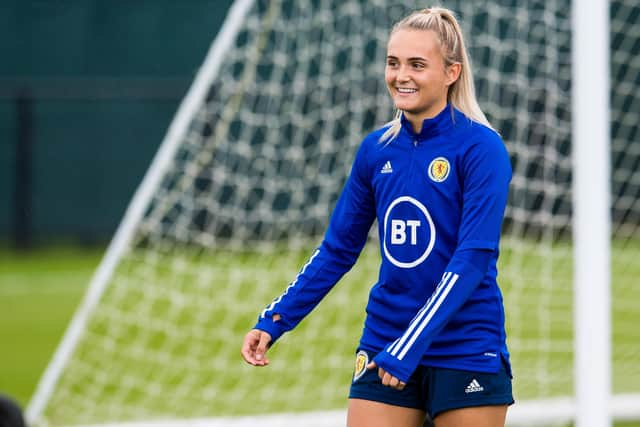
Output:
(39, 292)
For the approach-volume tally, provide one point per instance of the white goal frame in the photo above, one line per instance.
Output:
(591, 144)
(135, 211)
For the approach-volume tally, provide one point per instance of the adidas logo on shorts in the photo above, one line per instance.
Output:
(473, 387)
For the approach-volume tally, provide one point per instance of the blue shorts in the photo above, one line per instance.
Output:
(433, 390)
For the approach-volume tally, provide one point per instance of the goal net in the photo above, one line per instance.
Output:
(241, 189)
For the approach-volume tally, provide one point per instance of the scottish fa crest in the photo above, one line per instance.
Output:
(362, 359)
(439, 169)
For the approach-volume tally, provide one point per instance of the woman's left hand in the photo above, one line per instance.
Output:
(386, 378)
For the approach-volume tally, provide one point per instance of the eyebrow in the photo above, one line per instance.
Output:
(413, 58)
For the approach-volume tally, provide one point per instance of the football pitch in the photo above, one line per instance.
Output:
(39, 292)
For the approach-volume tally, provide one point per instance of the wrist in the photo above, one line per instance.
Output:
(393, 366)
(273, 328)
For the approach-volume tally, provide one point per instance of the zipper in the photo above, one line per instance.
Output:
(414, 149)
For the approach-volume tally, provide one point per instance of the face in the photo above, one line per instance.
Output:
(416, 75)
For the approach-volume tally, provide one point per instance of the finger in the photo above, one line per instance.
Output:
(371, 365)
(394, 382)
(249, 345)
(386, 379)
(265, 339)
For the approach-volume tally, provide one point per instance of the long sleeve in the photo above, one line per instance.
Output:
(345, 237)
(487, 173)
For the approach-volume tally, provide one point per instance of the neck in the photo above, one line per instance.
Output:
(417, 119)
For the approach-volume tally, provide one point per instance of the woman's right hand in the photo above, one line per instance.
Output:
(255, 345)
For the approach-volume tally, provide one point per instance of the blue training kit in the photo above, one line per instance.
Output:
(439, 198)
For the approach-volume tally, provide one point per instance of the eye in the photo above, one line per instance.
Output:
(418, 65)
(392, 62)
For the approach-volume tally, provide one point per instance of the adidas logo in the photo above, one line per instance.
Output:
(386, 168)
(473, 387)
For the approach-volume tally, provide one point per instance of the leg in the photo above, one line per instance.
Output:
(367, 413)
(478, 416)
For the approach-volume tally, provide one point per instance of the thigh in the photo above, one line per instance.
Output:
(367, 413)
(479, 416)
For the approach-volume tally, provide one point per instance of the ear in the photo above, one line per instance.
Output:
(453, 73)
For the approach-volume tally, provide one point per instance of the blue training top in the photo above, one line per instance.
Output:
(439, 198)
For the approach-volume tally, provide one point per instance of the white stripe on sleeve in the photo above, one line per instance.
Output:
(431, 313)
(295, 281)
(416, 320)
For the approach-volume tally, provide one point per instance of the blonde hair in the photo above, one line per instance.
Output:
(462, 93)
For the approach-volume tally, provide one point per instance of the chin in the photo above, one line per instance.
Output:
(406, 106)
(409, 109)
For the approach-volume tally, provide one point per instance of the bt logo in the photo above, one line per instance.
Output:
(399, 231)
(409, 232)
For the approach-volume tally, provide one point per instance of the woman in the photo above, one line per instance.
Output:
(436, 178)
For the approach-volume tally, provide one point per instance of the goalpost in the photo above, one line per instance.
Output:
(591, 217)
(241, 189)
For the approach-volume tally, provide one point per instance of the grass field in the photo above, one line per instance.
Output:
(40, 290)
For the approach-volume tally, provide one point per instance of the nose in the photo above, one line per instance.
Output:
(403, 74)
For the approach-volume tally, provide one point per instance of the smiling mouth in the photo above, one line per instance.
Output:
(406, 90)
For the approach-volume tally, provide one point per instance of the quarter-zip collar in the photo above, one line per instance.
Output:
(441, 123)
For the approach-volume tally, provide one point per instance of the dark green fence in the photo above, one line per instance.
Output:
(87, 90)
